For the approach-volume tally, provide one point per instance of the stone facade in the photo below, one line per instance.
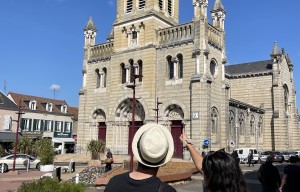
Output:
(178, 72)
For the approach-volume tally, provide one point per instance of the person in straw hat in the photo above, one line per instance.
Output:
(152, 147)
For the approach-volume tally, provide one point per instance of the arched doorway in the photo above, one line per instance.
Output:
(175, 115)
(124, 113)
(100, 118)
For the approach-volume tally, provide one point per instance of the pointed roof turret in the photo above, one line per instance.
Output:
(90, 25)
(218, 6)
(288, 60)
(275, 51)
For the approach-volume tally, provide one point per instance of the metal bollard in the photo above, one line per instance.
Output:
(77, 178)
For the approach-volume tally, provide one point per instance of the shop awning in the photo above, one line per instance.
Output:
(8, 137)
(63, 140)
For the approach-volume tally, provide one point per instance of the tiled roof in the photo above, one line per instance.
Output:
(6, 103)
(24, 100)
(73, 111)
(258, 67)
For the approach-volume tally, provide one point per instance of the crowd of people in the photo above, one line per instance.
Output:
(221, 171)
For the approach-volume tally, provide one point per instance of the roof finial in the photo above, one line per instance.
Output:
(90, 25)
(275, 51)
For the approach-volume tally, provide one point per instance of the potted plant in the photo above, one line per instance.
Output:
(46, 154)
(96, 147)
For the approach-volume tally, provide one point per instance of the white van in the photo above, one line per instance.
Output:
(243, 154)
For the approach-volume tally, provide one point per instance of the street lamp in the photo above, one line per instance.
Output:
(132, 86)
(17, 133)
(156, 109)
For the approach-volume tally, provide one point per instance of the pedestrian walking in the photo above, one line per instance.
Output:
(269, 177)
(291, 177)
(235, 156)
(109, 160)
(250, 158)
(152, 147)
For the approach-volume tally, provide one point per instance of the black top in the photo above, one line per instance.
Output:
(269, 176)
(293, 178)
(124, 183)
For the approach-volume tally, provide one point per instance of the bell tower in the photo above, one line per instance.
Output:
(167, 10)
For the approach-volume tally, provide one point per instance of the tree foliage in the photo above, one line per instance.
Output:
(45, 151)
(95, 147)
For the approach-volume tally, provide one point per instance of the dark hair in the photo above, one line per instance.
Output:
(222, 174)
(293, 159)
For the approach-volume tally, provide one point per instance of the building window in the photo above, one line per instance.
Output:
(58, 126)
(140, 69)
(37, 124)
(123, 73)
(97, 73)
(180, 66)
(104, 76)
(231, 124)
(252, 126)
(32, 105)
(48, 125)
(213, 68)
(142, 4)
(242, 123)
(170, 67)
(170, 7)
(286, 98)
(160, 5)
(260, 127)
(68, 127)
(214, 121)
(129, 6)
(49, 107)
(8, 122)
(132, 71)
(26, 125)
(63, 109)
(134, 38)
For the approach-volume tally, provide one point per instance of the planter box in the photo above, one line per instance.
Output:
(47, 168)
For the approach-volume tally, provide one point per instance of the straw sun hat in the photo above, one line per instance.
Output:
(153, 145)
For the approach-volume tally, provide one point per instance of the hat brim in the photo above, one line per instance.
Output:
(140, 132)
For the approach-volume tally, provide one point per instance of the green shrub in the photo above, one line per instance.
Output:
(2, 151)
(45, 151)
(95, 147)
(50, 185)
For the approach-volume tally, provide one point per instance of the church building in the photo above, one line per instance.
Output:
(153, 69)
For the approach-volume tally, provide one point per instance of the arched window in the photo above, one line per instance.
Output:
(140, 63)
(180, 66)
(213, 68)
(160, 5)
(123, 73)
(242, 123)
(170, 7)
(132, 71)
(252, 125)
(170, 67)
(286, 98)
(260, 126)
(104, 76)
(214, 120)
(97, 73)
(142, 4)
(231, 123)
(129, 6)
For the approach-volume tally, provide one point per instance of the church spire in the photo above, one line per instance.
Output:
(90, 33)
(275, 50)
(218, 14)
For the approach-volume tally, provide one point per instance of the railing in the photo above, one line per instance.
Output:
(176, 34)
(102, 50)
(214, 36)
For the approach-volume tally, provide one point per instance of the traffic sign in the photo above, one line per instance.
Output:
(206, 142)
(231, 143)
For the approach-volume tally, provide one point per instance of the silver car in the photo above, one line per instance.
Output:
(21, 162)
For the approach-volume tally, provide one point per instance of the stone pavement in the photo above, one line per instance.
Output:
(13, 180)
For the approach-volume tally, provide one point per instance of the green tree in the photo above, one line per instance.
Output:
(45, 151)
(96, 147)
(25, 145)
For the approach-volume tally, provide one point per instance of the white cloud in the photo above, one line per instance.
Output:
(54, 87)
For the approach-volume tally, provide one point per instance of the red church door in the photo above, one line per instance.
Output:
(176, 131)
(137, 125)
(102, 131)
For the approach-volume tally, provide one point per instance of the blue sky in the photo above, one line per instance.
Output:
(41, 41)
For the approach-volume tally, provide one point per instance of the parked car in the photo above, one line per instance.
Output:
(21, 162)
(287, 155)
(297, 154)
(243, 154)
(277, 156)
